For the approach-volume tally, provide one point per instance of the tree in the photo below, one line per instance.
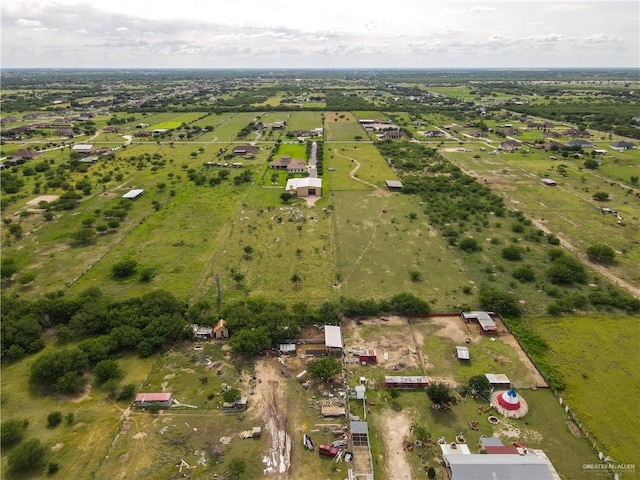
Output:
(84, 236)
(566, 270)
(57, 369)
(495, 300)
(480, 385)
(107, 370)
(232, 395)
(295, 279)
(251, 341)
(237, 277)
(512, 253)
(8, 267)
(420, 433)
(124, 269)
(438, 393)
(324, 368)
(27, 456)
(601, 253)
(408, 304)
(591, 163)
(128, 392)
(469, 245)
(601, 196)
(11, 431)
(286, 196)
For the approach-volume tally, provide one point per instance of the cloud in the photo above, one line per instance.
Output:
(122, 29)
(482, 9)
(23, 22)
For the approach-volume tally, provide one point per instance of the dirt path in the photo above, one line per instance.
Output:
(269, 404)
(395, 426)
(352, 173)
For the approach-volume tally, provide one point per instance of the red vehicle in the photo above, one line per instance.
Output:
(328, 450)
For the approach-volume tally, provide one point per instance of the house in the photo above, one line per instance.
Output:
(162, 399)
(579, 142)
(304, 187)
(202, 332)
(26, 155)
(484, 320)
(499, 467)
(278, 125)
(462, 353)
(220, 331)
(393, 135)
(394, 185)
(83, 148)
(245, 149)
(292, 165)
(237, 406)
(509, 145)
(548, 182)
(433, 133)
(621, 146)
(576, 133)
(498, 381)
(405, 382)
(368, 356)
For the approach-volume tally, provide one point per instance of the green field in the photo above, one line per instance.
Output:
(596, 357)
(341, 126)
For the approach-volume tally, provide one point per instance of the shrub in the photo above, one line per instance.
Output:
(128, 392)
(27, 456)
(107, 370)
(124, 269)
(524, 274)
(11, 431)
(601, 196)
(496, 300)
(231, 395)
(54, 419)
(469, 245)
(601, 253)
(512, 253)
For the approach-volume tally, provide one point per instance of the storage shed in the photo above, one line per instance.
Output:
(405, 382)
(394, 185)
(484, 320)
(368, 356)
(498, 381)
(162, 399)
(133, 194)
(462, 353)
(332, 338)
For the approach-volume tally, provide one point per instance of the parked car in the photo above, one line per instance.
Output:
(328, 450)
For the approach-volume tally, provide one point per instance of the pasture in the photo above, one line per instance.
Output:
(304, 120)
(342, 126)
(360, 160)
(595, 356)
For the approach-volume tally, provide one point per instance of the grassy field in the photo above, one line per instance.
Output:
(304, 120)
(371, 167)
(594, 356)
(341, 126)
(378, 245)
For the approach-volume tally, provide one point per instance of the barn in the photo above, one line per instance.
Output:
(483, 318)
(162, 399)
(133, 194)
(394, 185)
(368, 356)
(332, 338)
(405, 382)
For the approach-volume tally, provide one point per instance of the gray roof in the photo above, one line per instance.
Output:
(578, 142)
(463, 353)
(394, 183)
(483, 318)
(497, 467)
(490, 442)
(332, 336)
(359, 427)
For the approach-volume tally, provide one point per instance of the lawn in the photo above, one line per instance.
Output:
(596, 357)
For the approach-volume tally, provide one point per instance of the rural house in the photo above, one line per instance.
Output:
(245, 149)
(26, 155)
(621, 146)
(291, 165)
(405, 382)
(220, 331)
(509, 146)
(304, 187)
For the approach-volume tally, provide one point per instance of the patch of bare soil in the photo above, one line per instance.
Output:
(42, 198)
(140, 436)
(269, 404)
(57, 447)
(573, 428)
(452, 328)
(395, 426)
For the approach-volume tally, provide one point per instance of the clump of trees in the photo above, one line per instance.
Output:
(324, 368)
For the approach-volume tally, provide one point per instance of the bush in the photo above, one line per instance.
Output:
(512, 253)
(524, 274)
(601, 253)
(231, 395)
(492, 299)
(52, 468)
(601, 196)
(128, 392)
(27, 456)
(54, 419)
(11, 431)
(124, 269)
(107, 370)
(469, 245)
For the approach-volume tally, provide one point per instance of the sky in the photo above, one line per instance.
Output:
(320, 34)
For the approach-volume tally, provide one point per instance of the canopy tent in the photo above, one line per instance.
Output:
(509, 400)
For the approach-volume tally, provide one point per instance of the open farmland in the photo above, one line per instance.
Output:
(341, 126)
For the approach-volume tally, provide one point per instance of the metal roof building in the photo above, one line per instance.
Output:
(132, 194)
(483, 318)
(332, 336)
(497, 467)
(462, 353)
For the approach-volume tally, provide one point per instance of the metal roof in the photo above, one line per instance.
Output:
(497, 467)
(483, 318)
(358, 427)
(463, 353)
(332, 336)
(295, 183)
(394, 183)
(153, 397)
(490, 442)
(405, 379)
(497, 378)
(135, 193)
(287, 347)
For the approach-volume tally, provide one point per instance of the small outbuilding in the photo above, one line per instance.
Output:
(287, 348)
(161, 399)
(405, 382)
(548, 182)
(304, 187)
(220, 331)
(394, 185)
(484, 320)
(133, 194)
(368, 356)
(462, 353)
(498, 381)
(332, 338)
(202, 332)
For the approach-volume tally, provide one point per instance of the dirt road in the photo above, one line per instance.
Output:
(395, 426)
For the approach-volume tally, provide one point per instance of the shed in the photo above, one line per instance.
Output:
(462, 353)
(220, 331)
(82, 148)
(490, 442)
(332, 337)
(548, 182)
(202, 332)
(483, 318)
(288, 348)
(405, 382)
(394, 185)
(162, 399)
(133, 194)
(368, 356)
(497, 467)
(360, 392)
(498, 381)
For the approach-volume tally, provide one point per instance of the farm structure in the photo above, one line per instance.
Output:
(332, 338)
(548, 182)
(498, 381)
(462, 353)
(533, 465)
(362, 465)
(405, 382)
(304, 187)
(484, 319)
(202, 332)
(368, 356)
(162, 399)
(287, 348)
(220, 331)
(133, 194)
(245, 149)
(237, 406)
(291, 165)
(394, 185)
